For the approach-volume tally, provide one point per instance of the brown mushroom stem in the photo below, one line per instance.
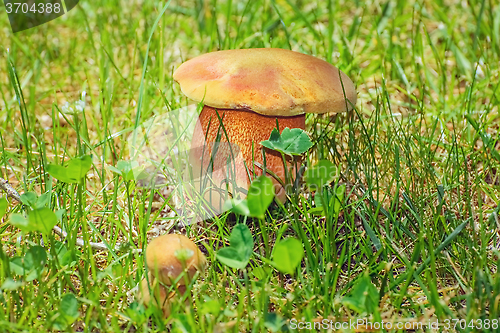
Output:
(245, 131)
(156, 295)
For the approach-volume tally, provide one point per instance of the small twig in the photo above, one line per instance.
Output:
(11, 192)
(81, 243)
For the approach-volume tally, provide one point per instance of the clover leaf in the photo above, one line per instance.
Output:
(287, 255)
(238, 253)
(291, 141)
(260, 195)
(74, 170)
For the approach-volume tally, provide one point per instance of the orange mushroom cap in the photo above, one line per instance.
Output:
(268, 81)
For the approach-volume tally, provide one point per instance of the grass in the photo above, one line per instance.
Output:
(413, 239)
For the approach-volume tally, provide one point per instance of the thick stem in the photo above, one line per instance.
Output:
(244, 130)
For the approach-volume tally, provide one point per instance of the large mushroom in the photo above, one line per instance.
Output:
(251, 91)
(172, 260)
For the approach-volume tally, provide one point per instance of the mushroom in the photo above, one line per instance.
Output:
(171, 255)
(252, 91)
(172, 260)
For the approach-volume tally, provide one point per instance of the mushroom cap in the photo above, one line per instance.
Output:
(163, 258)
(268, 81)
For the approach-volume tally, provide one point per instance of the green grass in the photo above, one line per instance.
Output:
(416, 232)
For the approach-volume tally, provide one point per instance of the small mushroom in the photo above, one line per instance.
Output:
(251, 91)
(171, 255)
(172, 260)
